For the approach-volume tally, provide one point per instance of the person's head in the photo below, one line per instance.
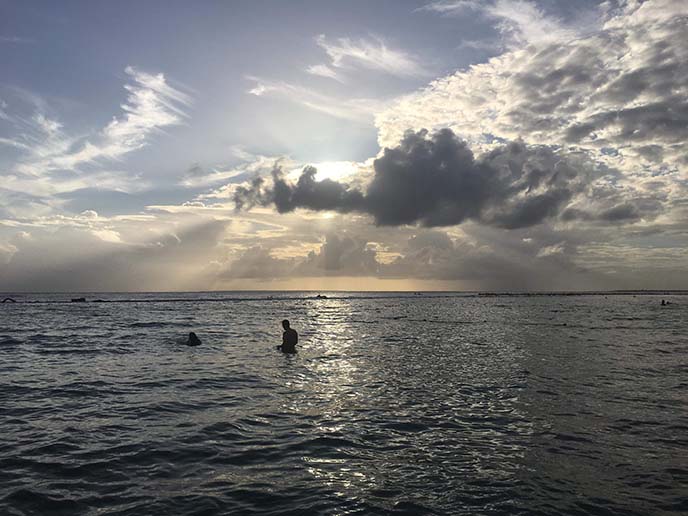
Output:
(285, 324)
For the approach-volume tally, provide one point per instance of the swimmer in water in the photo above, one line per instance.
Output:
(193, 340)
(289, 338)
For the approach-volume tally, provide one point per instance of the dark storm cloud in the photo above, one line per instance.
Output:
(306, 193)
(314, 195)
(436, 181)
(246, 197)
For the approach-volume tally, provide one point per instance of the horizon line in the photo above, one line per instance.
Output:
(438, 291)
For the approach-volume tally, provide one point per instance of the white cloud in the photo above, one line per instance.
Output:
(15, 39)
(14, 143)
(551, 250)
(6, 253)
(520, 21)
(78, 254)
(50, 161)
(46, 125)
(3, 113)
(451, 7)
(526, 23)
(619, 94)
(324, 71)
(107, 235)
(151, 105)
(250, 164)
(549, 89)
(89, 214)
(373, 54)
(360, 110)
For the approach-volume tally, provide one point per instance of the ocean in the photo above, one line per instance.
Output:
(394, 404)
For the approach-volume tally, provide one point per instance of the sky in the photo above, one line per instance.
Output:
(501, 145)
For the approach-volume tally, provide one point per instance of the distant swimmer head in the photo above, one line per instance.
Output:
(193, 340)
(285, 324)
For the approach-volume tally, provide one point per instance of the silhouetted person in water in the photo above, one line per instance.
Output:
(289, 338)
(193, 340)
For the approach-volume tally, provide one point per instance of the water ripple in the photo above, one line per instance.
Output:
(395, 404)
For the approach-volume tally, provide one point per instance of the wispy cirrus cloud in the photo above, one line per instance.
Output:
(519, 21)
(450, 7)
(46, 161)
(360, 110)
(10, 142)
(249, 165)
(372, 54)
(323, 70)
(15, 39)
(3, 113)
(151, 105)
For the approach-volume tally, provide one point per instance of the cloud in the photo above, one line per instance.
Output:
(3, 112)
(451, 7)
(358, 110)
(17, 204)
(619, 93)
(90, 256)
(559, 164)
(6, 253)
(624, 212)
(519, 21)
(15, 39)
(337, 256)
(196, 176)
(340, 255)
(492, 260)
(479, 256)
(372, 54)
(436, 181)
(312, 194)
(49, 162)
(257, 263)
(325, 71)
(151, 105)
(14, 143)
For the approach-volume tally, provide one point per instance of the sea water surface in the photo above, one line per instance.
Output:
(394, 404)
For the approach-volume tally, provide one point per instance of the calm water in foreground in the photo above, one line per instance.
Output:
(393, 405)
